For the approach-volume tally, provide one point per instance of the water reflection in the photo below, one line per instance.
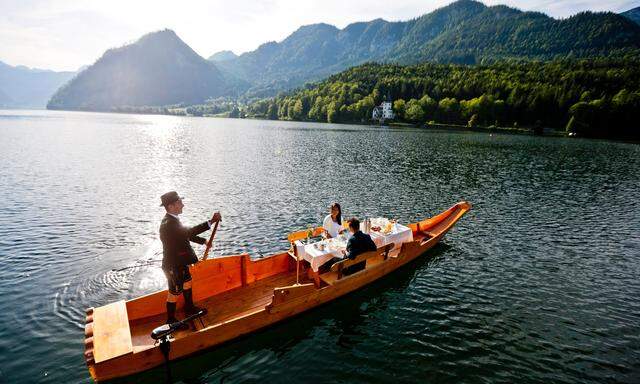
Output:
(539, 281)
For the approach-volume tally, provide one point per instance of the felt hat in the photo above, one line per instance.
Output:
(168, 198)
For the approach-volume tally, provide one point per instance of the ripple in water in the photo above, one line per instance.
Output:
(538, 283)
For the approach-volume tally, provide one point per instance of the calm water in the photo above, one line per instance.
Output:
(539, 283)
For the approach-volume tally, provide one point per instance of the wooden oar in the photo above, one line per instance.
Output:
(213, 234)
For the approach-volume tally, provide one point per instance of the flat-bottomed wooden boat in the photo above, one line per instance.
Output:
(242, 296)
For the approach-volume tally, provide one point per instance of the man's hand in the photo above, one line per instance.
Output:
(216, 217)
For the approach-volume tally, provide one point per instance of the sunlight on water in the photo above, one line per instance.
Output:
(538, 283)
(151, 280)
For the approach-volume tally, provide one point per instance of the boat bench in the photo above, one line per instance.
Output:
(111, 333)
(338, 269)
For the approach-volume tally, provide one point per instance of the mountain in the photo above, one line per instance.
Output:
(312, 52)
(158, 69)
(500, 33)
(22, 87)
(465, 31)
(633, 14)
(5, 100)
(222, 56)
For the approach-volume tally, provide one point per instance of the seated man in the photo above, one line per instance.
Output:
(358, 243)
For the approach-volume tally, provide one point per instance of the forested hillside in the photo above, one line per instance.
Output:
(591, 97)
(160, 70)
(463, 32)
(633, 14)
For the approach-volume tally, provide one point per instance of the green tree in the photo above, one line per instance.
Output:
(584, 116)
(509, 93)
(414, 111)
(473, 121)
(272, 112)
(332, 112)
(571, 125)
(235, 113)
(449, 110)
(429, 106)
(398, 108)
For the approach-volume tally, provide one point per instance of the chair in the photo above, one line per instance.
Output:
(299, 235)
(293, 251)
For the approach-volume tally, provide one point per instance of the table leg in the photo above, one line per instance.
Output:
(314, 276)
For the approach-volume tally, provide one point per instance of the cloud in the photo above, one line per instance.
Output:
(57, 34)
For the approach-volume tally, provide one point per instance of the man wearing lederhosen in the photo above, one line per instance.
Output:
(178, 254)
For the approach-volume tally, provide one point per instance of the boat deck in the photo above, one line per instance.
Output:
(222, 307)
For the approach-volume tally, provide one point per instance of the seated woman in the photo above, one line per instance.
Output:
(332, 223)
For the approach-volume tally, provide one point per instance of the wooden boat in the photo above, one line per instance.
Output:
(242, 296)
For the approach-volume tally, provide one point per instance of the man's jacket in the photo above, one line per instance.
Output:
(175, 239)
(359, 243)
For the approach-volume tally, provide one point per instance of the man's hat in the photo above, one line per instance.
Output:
(168, 198)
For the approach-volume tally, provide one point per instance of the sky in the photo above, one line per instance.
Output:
(66, 34)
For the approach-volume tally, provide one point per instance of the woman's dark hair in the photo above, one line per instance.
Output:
(354, 224)
(339, 217)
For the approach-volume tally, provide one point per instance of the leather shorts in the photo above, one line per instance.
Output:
(176, 277)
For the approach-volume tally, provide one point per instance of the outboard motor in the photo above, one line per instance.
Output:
(161, 331)
(162, 334)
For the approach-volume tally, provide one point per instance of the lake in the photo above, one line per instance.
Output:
(539, 282)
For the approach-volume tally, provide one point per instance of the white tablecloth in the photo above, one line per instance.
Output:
(316, 257)
(398, 235)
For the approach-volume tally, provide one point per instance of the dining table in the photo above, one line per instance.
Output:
(384, 232)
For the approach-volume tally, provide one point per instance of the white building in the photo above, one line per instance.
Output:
(383, 112)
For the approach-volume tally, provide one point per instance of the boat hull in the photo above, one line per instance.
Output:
(286, 301)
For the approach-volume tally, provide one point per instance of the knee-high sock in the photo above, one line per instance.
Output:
(171, 313)
(188, 299)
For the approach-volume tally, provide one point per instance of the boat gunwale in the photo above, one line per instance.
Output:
(319, 296)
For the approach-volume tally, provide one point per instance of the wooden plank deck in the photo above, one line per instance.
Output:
(221, 307)
(112, 337)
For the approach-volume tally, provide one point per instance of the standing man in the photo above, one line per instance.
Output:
(178, 254)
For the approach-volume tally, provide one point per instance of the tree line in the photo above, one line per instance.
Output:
(596, 97)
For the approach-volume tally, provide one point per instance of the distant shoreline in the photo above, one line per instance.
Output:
(525, 131)
(442, 126)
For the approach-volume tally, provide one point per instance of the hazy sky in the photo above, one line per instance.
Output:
(66, 34)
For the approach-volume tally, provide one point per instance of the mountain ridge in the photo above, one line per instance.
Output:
(465, 31)
(160, 69)
(24, 87)
(157, 69)
(632, 14)
(222, 56)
